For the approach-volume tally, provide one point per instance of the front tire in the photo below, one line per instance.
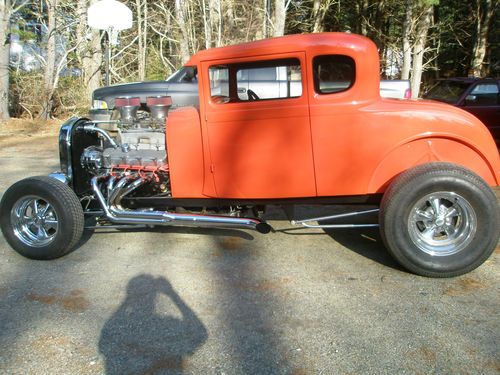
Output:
(41, 218)
(439, 220)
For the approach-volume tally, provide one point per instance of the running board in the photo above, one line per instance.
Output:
(306, 222)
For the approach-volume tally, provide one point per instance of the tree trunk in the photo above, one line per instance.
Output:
(265, 18)
(184, 35)
(363, 13)
(407, 30)
(419, 49)
(89, 51)
(485, 10)
(320, 7)
(4, 59)
(207, 25)
(50, 61)
(142, 19)
(279, 17)
(216, 19)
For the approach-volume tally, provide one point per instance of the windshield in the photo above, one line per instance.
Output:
(186, 74)
(447, 91)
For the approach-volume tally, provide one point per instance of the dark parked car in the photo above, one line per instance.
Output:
(479, 96)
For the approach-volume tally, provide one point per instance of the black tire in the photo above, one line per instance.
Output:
(62, 221)
(437, 245)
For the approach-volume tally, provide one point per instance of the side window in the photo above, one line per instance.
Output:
(333, 73)
(277, 79)
(262, 80)
(483, 94)
(219, 81)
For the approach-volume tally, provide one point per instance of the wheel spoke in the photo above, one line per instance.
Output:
(27, 220)
(452, 212)
(50, 224)
(41, 233)
(423, 215)
(450, 230)
(46, 209)
(34, 206)
(428, 233)
(435, 205)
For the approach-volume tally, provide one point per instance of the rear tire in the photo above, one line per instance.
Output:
(41, 218)
(439, 220)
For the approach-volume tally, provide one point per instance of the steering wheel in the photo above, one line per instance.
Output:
(252, 95)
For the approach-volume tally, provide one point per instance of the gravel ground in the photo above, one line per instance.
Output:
(197, 301)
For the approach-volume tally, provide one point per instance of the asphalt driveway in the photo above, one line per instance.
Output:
(199, 301)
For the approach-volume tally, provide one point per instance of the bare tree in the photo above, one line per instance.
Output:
(184, 37)
(320, 7)
(7, 9)
(207, 24)
(484, 14)
(216, 19)
(89, 50)
(279, 17)
(407, 32)
(142, 33)
(266, 10)
(50, 61)
(422, 30)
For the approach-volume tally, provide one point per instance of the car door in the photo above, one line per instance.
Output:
(483, 102)
(258, 147)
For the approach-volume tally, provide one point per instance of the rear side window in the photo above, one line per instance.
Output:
(333, 73)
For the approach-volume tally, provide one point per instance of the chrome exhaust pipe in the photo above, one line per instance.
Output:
(117, 215)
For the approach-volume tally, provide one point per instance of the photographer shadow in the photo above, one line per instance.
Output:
(139, 339)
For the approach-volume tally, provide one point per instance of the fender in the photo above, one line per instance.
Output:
(427, 149)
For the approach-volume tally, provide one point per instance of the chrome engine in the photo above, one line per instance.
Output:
(135, 139)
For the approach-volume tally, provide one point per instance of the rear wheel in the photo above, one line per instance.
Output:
(440, 220)
(41, 218)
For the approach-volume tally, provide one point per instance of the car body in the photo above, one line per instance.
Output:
(323, 137)
(479, 96)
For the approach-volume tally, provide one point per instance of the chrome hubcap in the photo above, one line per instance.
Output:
(34, 221)
(442, 223)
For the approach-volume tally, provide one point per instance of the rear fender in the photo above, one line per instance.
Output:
(427, 150)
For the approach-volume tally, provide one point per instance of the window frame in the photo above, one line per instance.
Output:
(316, 81)
(248, 64)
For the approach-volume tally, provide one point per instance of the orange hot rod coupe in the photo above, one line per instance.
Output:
(322, 135)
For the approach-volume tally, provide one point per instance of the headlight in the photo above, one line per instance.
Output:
(99, 104)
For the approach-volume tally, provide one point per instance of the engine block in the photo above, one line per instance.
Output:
(144, 158)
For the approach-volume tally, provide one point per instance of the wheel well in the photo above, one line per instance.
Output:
(424, 151)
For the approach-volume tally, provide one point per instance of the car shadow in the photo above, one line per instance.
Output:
(179, 230)
(142, 338)
(365, 241)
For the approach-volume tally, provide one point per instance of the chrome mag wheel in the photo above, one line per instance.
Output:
(34, 221)
(442, 223)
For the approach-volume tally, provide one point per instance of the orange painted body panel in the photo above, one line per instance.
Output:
(185, 152)
(348, 143)
(261, 149)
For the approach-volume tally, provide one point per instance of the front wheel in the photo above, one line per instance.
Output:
(440, 220)
(41, 218)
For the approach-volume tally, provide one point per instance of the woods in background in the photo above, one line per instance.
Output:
(420, 40)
